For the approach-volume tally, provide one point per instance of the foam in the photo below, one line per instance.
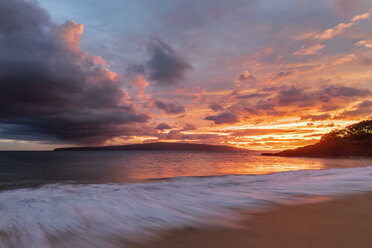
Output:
(110, 215)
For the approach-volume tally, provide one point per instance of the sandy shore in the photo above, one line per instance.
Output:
(344, 222)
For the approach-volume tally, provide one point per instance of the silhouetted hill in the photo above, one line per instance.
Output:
(158, 146)
(354, 140)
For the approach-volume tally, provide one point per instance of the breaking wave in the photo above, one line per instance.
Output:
(112, 215)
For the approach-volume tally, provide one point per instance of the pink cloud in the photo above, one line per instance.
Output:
(314, 49)
(70, 33)
(340, 28)
(361, 17)
(141, 84)
(365, 43)
(332, 32)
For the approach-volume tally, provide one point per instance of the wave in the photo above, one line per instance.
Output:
(112, 215)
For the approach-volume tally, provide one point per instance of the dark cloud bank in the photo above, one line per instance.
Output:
(51, 90)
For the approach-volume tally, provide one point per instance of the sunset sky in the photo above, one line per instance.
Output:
(259, 74)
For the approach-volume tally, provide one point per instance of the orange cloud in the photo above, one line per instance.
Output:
(141, 84)
(345, 59)
(70, 33)
(361, 17)
(340, 28)
(244, 76)
(309, 50)
(332, 32)
(365, 43)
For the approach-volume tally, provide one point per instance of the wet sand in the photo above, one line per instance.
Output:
(341, 223)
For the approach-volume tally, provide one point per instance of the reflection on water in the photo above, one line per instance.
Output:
(94, 205)
(28, 168)
(117, 215)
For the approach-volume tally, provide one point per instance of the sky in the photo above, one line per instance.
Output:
(258, 74)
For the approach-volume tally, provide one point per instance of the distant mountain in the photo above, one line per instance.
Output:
(158, 146)
(354, 140)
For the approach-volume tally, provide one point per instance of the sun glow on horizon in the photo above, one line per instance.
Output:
(270, 84)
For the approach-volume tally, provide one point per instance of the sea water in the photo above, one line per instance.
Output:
(113, 199)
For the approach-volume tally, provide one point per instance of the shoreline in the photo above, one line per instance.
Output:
(340, 222)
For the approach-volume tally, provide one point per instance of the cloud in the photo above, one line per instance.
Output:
(253, 95)
(328, 34)
(302, 97)
(316, 117)
(344, 91)
(165, 66)
(365, 43)
(169, 108)
(292, 101)
(189, 127)
(304, 51)
(163, 126)
(215, 107)
(141, 84)
(223, 118)
(365, 60)
(345, 59)
(363, 109)
(32, 18)
(178, 135)
(203, 136)
(245, 76)
(294, 96)
(360, 17)
(283, 74)
(332, 32)
(346, 6)
(50, 89)
(259, 132)
(341, 27)
(134, 70)
(71, 33)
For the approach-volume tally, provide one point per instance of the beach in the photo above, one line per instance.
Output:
(340, 222)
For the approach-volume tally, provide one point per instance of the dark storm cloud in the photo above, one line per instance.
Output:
(223, 118)
(165, 66)
(49, 88)
(18, 15)
(169, 108)
(163, 126)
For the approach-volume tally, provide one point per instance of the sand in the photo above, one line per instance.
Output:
(343, 222)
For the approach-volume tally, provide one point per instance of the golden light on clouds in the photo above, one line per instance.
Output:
(252, 80)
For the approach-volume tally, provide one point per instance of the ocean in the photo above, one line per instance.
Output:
(115, 199)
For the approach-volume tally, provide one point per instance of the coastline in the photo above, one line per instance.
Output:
(340, 222)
